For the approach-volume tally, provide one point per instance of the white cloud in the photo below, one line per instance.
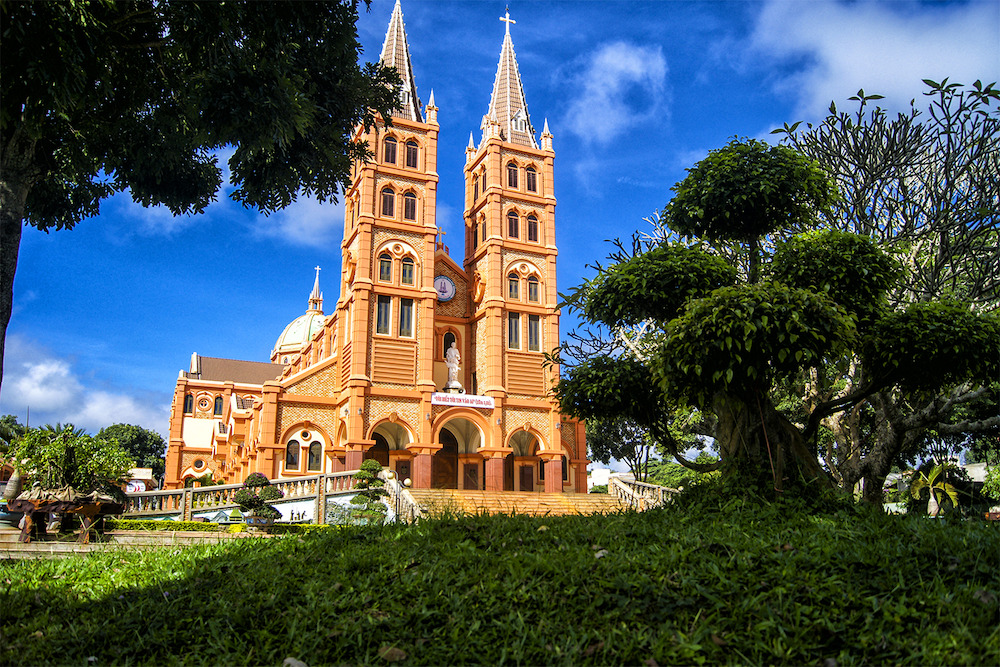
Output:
(622, 85)
(887, 48)
(35, 380)
(307, 222)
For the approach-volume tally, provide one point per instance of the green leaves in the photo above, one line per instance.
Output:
(738, 340)
(931, 345)
(746, 190)
(653, 285)
(65, 458)
(850, 269)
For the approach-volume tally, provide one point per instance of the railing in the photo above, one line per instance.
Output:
(400, 499)
(640, 496)
(184, 502)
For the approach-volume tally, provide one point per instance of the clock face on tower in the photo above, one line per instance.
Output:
(445, 288)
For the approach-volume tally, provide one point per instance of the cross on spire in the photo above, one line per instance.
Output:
(507, 19)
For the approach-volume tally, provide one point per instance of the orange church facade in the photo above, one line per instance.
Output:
(432, 368)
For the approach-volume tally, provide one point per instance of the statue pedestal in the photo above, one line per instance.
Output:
(453, 387)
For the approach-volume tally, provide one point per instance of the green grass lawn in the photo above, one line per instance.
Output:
(747, 585)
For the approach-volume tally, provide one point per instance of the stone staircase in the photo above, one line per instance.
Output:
(53, 545)
(443, 501)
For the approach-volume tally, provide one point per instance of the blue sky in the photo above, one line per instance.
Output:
(107, 314)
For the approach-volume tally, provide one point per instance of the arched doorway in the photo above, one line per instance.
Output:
(395, 437)
(379, 451)
(458, 458)
(444, 467)
(524, 461)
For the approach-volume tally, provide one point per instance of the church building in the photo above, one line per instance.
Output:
(433, 368)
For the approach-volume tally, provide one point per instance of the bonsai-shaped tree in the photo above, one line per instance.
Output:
(935, 487)
(255, 494)
(69, 463)
(370, 492)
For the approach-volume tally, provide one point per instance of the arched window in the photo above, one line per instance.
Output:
(217, 408)
(292, 455)
(388, 202)
(531, 179)
(315, 456)
(511, 175)
(533, 295)
(389, 151)
(409, 206)
(513, 282)
(475, 235)
(385, 267)
(411, 154)
(189, 404)
(512, 225)
(532, 228)
(475, 188)
(406, 271)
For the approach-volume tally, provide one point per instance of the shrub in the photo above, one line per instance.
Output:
(370, 491)
(255, 494)
(66, 458)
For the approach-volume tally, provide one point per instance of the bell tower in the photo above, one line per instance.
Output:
(386, 308)
(510, 241)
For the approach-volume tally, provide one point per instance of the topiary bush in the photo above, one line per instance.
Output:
(255, 494)
(370, 492)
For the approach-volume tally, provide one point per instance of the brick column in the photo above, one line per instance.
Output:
(553, 471)
(356, 453)
(494, 467)
(423, 458)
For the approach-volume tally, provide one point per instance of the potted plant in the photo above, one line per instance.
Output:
(370, 492)
(253, 499)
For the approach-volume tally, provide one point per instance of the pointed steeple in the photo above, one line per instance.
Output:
(316, 297)
(396, 53)
(508, 108)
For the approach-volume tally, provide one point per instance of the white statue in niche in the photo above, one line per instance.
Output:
(452, 358)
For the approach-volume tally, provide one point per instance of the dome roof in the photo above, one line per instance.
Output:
(298, 333)
(302, 328)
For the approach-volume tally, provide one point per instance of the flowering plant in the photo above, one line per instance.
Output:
(255, 494)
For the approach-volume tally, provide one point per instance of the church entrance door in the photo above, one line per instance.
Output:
(379, 451)
(527, 478)
(444, 466)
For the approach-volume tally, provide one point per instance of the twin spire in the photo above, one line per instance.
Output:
(396, 53)
(507, 117)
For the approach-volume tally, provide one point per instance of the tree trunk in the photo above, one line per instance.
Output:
(16, 170)
(13, 196)
(762, 447)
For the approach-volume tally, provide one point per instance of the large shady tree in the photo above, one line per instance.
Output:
(101, 96)
(745, 302)
(925, 185)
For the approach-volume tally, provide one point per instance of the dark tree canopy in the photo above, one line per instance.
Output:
(622, 439)
(99, 97)
(145, 446)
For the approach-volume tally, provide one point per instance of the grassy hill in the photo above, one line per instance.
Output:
(737, 584)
